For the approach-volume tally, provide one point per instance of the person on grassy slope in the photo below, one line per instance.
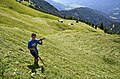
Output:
(32, 46)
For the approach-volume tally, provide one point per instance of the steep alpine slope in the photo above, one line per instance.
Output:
(94, 16)
(70, 52)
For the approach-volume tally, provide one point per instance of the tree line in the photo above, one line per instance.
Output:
(95, 26)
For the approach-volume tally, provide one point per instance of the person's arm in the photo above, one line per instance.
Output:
(40, 41)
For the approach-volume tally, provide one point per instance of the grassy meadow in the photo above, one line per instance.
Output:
(70, 51)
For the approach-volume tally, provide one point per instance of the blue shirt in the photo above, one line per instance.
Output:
(33, 44)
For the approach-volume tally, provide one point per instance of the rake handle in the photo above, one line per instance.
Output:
(40, 58)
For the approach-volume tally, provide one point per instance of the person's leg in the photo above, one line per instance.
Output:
(36, 60)
(35, 55)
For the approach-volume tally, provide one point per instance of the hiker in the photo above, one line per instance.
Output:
(32, 46)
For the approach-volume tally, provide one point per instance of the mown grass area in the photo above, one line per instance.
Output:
(13, 5)
(70, 52)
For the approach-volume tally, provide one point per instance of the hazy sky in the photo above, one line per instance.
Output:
(63, 1)
(58, 0)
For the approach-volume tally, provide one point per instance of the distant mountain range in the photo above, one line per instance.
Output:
(93, 16)
(110, 7)
(83, 13)
(59, 6)
(62, 6)
(88, 14)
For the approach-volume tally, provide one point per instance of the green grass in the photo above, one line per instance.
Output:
(70, 52)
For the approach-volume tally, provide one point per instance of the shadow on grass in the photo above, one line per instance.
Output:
(34, 67)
